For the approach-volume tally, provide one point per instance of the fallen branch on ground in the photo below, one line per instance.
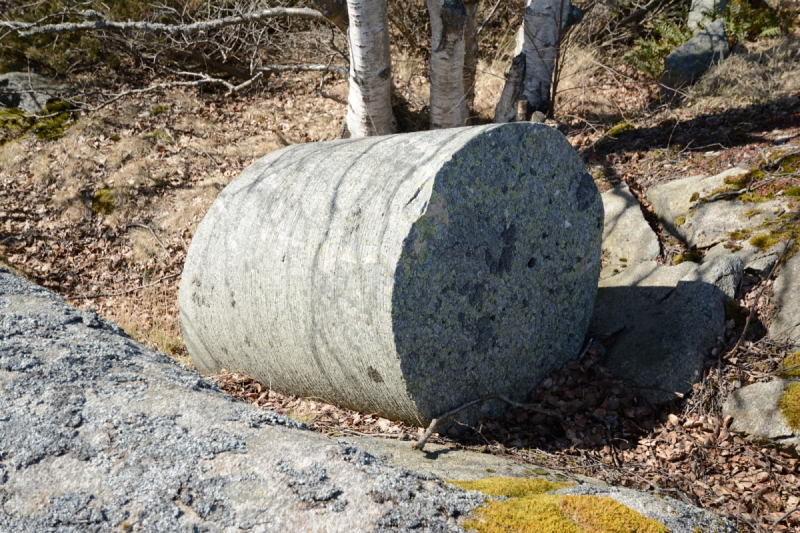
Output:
(420, 444)
(120, 293)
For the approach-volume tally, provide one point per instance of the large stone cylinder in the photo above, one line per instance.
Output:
(400, 275)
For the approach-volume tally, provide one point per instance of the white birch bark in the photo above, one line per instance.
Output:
(369, 103)
(449, 107)
(538, 39)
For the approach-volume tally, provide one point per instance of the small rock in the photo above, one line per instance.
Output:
(786, 295)
(701, 9)
(687, 63)
(28, 91)
(668, 319)
(627, 238)
(755, 413)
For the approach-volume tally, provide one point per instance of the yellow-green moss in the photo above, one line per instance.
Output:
(510, 487)
(680, 221)
(752, 212)
(794, 191)
(763, 241)
(103, 201)
(789, 405)
(740, 234)
(52, 123)
(598, 514)
(695, 197)
(791, 366)
(529, 509)
(620, 128)
(693, 257)
(158, 109)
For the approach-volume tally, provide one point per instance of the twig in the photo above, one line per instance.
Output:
(785, 515)
(120, 293)
(488, 17)
(420, 444)
(788, 245)
(26, 29)
(153, 233)
(303, 68)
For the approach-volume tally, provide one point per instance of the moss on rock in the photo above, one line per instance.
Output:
(789, 405)
(791, 366)
(529, 509)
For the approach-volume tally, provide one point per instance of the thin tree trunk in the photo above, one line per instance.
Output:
(369, 109)
(470, 53)
(449, 107)
(538, 40)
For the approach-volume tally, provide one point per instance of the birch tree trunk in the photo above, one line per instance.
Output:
(449, 107)
(470, 52)
(369, 103)
(538, 39)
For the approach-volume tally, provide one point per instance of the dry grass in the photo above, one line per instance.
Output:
(756, 73)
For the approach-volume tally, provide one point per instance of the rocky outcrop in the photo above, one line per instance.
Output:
(28, 91)
(627, 238)
(99, 433)
(666, 321)
(687, 63)
(381, 268)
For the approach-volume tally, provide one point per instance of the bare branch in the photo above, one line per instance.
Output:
(26, 29)
(120, 293)
(420, 444)
(303, 68)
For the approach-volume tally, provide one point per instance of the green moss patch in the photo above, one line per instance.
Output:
(50, 124)
(680, 221)
(693, 257)
(529, 509)
(791, 366)
(620, 128)
(789, 405)
(103, 202)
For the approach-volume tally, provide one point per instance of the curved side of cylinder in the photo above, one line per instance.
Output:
(290, 275)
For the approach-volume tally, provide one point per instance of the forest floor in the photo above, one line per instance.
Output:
(104, 216)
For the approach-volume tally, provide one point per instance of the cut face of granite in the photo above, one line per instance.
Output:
(99, 433)
(786, 296)
(702, 12)
(681, 210)
(687, 63)
(402, 275)
(627, 238)
(667, 320)
(678, 517)
(27, 91)
(755, 413)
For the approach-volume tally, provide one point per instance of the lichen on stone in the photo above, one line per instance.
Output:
(680, 221)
